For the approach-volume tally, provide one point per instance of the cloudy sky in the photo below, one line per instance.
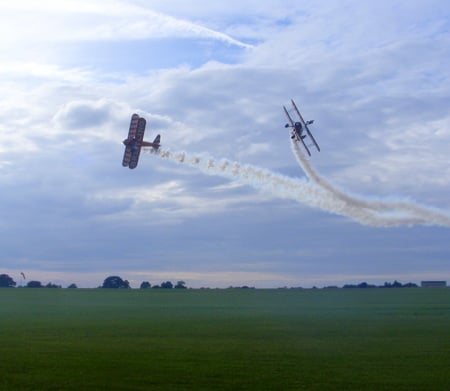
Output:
(212, 79)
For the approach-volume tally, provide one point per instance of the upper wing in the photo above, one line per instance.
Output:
(298, 113)
(136, 151)
(131, 135)
(312, 138)
(140, 130)
(288, 116)
(133, 126)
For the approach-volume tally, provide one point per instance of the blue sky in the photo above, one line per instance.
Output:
(212, 78)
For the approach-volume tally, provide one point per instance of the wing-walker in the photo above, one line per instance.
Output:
(300, 130)
(135, 142)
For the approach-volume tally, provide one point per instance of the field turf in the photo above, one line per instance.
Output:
(234, 339)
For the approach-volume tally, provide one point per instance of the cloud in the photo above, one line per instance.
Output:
(32, 69)
(78, 115)
(88, 21)
(258, 148)
(368, 141)
(172, 202)
(381, 119)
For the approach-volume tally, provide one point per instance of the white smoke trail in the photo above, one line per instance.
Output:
(278, 185)
(316, 192)
(418, 214)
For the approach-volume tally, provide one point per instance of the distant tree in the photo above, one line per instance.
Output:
(167, 285)
(51, 285)
(6, 281)
(145, 285)
(361, 285)
(180, 285)
(72, 286)
(115, 282)
(34, 284)
(395, 284)
(410, 285)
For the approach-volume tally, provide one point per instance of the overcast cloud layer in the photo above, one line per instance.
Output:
(212, 80)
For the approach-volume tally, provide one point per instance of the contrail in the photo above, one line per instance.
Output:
(259, 178)
(418, 214)
(316, 192)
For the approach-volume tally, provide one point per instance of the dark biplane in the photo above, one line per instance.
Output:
(299, 129)
(135, 142)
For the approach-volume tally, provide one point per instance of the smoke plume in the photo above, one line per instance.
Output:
(315, 192)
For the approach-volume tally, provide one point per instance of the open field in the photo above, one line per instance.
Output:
(352, 339)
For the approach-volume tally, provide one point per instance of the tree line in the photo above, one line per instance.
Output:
(111, 282)
(116, 282)
(395, 284)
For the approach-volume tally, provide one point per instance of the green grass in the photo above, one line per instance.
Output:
(373, 339)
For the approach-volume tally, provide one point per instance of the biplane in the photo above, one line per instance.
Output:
(299, 129)
(135, 142)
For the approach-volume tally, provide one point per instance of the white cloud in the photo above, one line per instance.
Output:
(172, 202)
(379, 98)
(27, 70)
(86, 20)
(258, 148)
(79, 115)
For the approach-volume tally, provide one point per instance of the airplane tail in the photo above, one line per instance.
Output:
(155, 144)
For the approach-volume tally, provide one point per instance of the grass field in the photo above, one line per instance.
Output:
(95, 339)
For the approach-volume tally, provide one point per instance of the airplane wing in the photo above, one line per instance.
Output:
(298, 113)
(140, 130)
(305, 125)
(134, 159)
(136, 149)
(312, 138)
(297, 136)
(303, 142)
(288, 116)
(126, 157)
(131, 135)
(133, 126)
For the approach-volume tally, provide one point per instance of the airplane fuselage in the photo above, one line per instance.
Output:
(298, 127)
(132, 143)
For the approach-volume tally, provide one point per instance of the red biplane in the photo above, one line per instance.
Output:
(135, 142)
